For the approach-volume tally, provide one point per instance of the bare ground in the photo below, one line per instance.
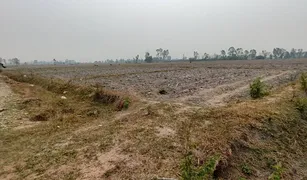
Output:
(150, 139)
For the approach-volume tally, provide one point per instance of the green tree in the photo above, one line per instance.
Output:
(205, 56)
(299, 53)
(232, 52)
(286, 55)
(223, 54)
(165, 53)
(148, 57)
(196, 55)
(277, 52)
(159, 53)
(246, 54)
(137, 58)
(293, 53)
(253, 53)
(240, 53)
(15, 61)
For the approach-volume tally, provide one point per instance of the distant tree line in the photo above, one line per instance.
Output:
(240, 54)
(13, 61)
(232, 54)
(163, 55)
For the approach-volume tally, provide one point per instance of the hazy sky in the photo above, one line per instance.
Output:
(89, 30)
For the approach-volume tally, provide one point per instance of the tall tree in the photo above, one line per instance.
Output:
(286, 55)
(253, 53)
(205, 56)
(265, 54)
(223, 54)
(159, 53)
(293, 53)
(15, 61)
(240, 52)
(165, 53)
(277, 52)
(196, 55)
(232, 52)
(299, 53)
(246, 54)
(137, 58)
(148, 57)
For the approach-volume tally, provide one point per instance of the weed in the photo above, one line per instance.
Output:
(258, 89)
(301, 106)
(246, 169)
(304, 82)
(190, 171)
(241, 178)
(126, 103)
(123, 104)
(187, 171)
(277, 174)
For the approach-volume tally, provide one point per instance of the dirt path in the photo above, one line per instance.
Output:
(11, 116)
(221, 95)
(5, 95)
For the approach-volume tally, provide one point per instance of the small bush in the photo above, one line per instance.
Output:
(304, 82)
(258, 89)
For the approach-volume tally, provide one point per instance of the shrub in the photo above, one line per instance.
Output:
(258, 89)
(304, 82)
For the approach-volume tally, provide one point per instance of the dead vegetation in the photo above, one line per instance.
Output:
(90, 93)
(82, 136)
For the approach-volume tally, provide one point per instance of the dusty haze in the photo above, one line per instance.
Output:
(114, 29)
